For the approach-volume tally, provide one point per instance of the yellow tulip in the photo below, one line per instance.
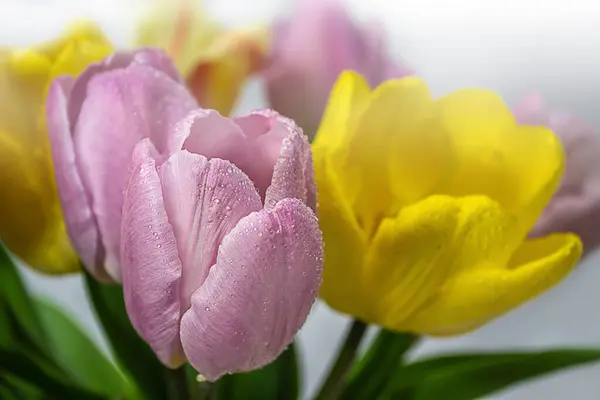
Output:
(31, 223)
(214, 61)
(425, 206)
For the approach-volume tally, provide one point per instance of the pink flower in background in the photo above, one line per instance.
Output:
(576, 205)
(221, 250)
(94, 122)
(311, 49)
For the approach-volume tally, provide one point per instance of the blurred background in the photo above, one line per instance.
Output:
(510, 46)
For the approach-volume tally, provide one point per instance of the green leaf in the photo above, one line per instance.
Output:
(7, 336)
(277, 381)
(16, 297)
(371, 374)
(133, 354)
(471, 376)
(77, 354)
(35, 370)
(19, 388)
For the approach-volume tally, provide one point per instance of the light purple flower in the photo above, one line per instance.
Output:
(310, 50)
(576, 205)
(94, 122)
(221, 250)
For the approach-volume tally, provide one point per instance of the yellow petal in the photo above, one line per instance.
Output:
(345, 245)
(414, 254)
(23, 78)
(348, 98)
(180, 28)
(475, 297)
(220, 73)
(514, 165)
(397, 153)
(80, 30)
(215, 62)
(31, 222)
(77, 55)
(409, 258)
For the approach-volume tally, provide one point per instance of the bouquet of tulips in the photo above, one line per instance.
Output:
(204, 238)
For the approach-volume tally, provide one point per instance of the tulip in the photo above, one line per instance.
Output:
(575, 207)
(214, 61)
(94, 122)
(221, 250)
(310, 51)
(425, 206)
(31, 220)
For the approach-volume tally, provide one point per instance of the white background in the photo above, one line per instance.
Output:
(511, 46)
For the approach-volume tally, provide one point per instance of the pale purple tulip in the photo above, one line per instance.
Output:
(576, 205)
(221, 250)
(311, 49)
(94, 122)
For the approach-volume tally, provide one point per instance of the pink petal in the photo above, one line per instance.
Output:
(258, 294)
(122, 107)
(293, 175)
(208, 133)
(575, 206)
(529, 111)
(157, 59)
(151, 269)
(378, 65)
(310, 51)
(204, 200)
(151, 57)
(252, 143)
(81, 223)
(265, 130)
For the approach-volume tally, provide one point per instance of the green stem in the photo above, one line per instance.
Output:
(334, 383)
(177, 385)
(207, 391)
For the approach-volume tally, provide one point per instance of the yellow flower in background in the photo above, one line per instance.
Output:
(214, 61)
(425, 206)
(31, 223)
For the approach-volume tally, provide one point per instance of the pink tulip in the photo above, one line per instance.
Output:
(94, 122)
(576, 205)
(310, 51)
(221, 250)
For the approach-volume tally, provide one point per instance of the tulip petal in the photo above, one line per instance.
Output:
(281, 143)
(398, 153)
(81, 223)
(529, 110)
(149, 57)
(208, 133)
(219, 75)
(122, 107)
(346, 245)
(204, 200)
(254, 144)
(575, 207)
(258, 294)
(151, 268)
(475, 297)
(413, 255)
(312, 49)
(519, 166)
(348, 98)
